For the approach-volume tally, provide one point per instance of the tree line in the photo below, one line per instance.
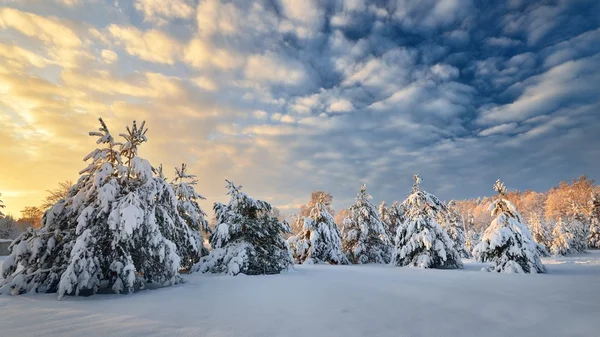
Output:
(123, 224)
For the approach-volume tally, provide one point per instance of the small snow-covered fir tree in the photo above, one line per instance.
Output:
(391, 217)
(191, 213)
(507, 243)
(455, 229)
(420, 239)
(594, 232)
(320, 240)
(540, 234)
(384, 216)
(540, 230)
(108, 228)
(364, 238)
(579, 227)
(562, 240)
(247, 239)
(473, 238)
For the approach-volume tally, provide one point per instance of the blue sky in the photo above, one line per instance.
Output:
(286, 97)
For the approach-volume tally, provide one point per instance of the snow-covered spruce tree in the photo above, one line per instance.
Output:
(384, 216)
(191, 213)
(420, 239)
(106, 229)
(247, 239)
(594, 232)
(320, 240)
(540, 234)
(473, 238)
(364, 238)
(562, 240)
(507, 243)
(391, 217)
(576, 225)
(454, 227)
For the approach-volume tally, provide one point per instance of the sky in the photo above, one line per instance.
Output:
(286, 96)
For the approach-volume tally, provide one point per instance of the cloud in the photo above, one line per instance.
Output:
(272, 69)
(109, 56)
(503, 42)
(152, 45)
(200, 54)
(49, 30)
(20, 58)
(498, 129)
(161, 11)
(205, 83)
(545, 93)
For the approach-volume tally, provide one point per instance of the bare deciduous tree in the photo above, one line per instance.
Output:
(57, 194)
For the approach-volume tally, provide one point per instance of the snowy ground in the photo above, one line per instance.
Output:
(332, 301)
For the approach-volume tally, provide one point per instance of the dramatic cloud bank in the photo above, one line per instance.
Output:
(288, 96)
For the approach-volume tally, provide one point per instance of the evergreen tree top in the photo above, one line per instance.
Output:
(417, 184)
(362, 194)
(183, 184)
(502, 205)
(420, 201)
(240, 201)
(500, 188)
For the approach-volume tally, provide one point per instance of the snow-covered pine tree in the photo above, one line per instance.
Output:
(384, 216)
(507, 243)
(191, 213)
(420, 239)
(104, 230)
(364, 237)
(594, 232)
(391, 217)
(577, 226)
(562, 240)
(455, 229)
(247, 238)
(473, 238)
(540, 234)
(320, 240)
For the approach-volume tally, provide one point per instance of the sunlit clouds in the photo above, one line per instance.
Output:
(285, 97)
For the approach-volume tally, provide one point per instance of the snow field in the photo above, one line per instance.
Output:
(324, 300)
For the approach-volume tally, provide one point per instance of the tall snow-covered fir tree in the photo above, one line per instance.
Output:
(108, 229)
(420, 239)
(364, 236)
(191, 213)
(455, 229)
(507, 243)
(320, 240)
(594, 232)
(247, 238)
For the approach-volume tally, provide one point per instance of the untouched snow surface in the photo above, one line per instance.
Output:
(322, 300)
